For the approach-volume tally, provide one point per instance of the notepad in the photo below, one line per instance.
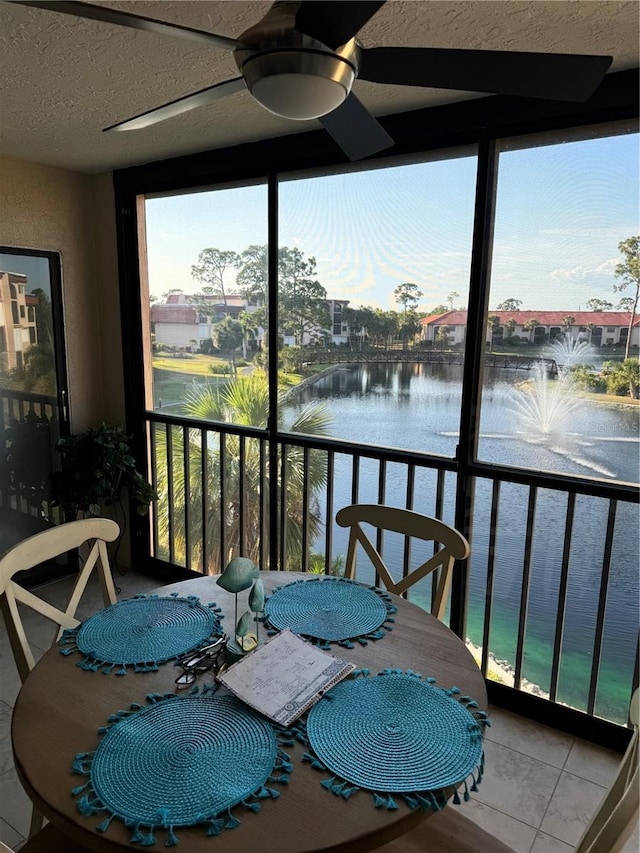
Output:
(284, 677)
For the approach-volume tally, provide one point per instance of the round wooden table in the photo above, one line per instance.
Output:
(61, 707)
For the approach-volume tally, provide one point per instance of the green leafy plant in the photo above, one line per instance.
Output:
(97, 465)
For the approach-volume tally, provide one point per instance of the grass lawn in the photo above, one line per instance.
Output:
(196, 364)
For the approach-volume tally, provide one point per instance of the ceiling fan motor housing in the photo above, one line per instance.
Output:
(291, 74)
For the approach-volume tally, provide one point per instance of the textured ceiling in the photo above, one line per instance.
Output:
(65, 78)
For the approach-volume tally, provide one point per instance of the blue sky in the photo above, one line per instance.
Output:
(561, 212)
(36, 270)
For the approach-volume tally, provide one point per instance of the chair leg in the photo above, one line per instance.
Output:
(37, 822)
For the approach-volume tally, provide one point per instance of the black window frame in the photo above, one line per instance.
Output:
(483, 123)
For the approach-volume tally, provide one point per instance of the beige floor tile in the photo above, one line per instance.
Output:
(516, 784)
(6, 758)
(548, 844)
(9, 678)
(505, 828)
(592, 762)
(572, 806)
(9, 836)
(529, 737)
(15, 806)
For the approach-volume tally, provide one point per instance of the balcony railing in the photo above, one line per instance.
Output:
(548, 601)
(29, 428)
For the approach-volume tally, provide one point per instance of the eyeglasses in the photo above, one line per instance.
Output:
(213, 656)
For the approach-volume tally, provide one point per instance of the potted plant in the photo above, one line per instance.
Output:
(96, 466)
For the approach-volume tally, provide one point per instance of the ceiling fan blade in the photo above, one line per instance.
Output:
(181, 105)
(334, 23)
(557, 76)
(355, 130)
(126, 19)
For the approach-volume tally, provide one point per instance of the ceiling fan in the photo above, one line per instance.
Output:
(302, 59)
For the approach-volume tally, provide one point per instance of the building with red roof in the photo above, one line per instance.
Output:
(601, 328)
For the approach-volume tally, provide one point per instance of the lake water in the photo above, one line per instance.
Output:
(546, 427)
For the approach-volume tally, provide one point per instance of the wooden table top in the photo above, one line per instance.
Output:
(61, 707)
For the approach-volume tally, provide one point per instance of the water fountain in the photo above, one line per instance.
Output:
(545, 407)
(569, 352)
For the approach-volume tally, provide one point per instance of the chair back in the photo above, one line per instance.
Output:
(617, 815)
(95, 532)
(450, 546)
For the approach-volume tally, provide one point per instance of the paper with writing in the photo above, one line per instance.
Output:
(284, 677)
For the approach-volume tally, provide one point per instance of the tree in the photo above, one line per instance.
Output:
(356, 320)
(245, 402)
(252, 275)
(407, 295)
(599, 305)
(493, 321)
(628, 271)
(450, 298)
(622, 377)
(249, 328)
(567, 321)
(442, 336)
(509, 326)
(210, 269)
(510, 305)
(439, 309)
(229, 335)
(530, 326)
(409, 327)
(302, 299)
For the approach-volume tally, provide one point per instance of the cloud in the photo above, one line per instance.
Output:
(585, 274)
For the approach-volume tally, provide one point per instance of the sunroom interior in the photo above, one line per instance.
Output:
(89, 201)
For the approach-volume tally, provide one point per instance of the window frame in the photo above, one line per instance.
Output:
(482, 122)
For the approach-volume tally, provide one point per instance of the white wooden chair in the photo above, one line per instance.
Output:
(617, 815)
(453, 546)
(95, 532)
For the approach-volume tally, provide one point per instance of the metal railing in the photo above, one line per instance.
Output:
(29, 430)
(552, 580)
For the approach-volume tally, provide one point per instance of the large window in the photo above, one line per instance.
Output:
(557, 396)
(205, 308)
(374, 270)
(386, 253)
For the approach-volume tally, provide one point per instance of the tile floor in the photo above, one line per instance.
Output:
(539, 791)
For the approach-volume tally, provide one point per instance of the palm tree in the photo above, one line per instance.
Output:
(568, 321)
(621, 376)
(530, 326)
(493, 321)
(243, 402)
(509, 327)
(249, 329)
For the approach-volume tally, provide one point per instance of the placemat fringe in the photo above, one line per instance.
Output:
(89, 802)
(93, 662)
(434, 799)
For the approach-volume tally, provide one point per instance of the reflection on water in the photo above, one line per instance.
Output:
(526, 421)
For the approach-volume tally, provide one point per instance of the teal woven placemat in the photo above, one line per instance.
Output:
(330, 610)
(180, 761)
(142, 632)
(396, 734)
